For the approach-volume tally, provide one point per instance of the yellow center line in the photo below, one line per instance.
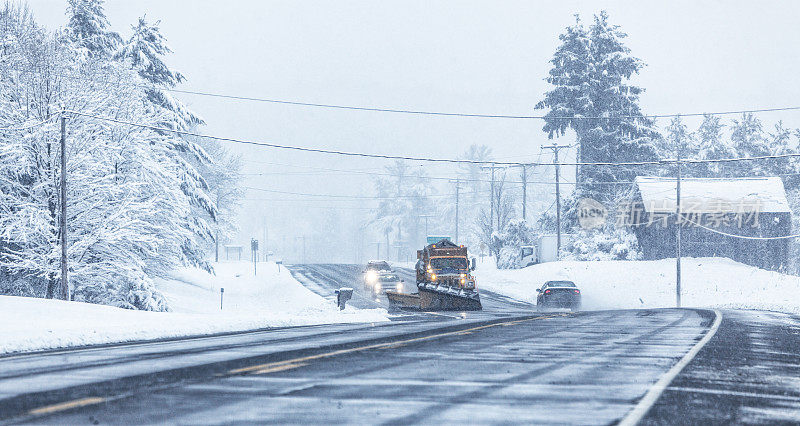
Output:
(271, 365)
(49, 409)
(279, 368)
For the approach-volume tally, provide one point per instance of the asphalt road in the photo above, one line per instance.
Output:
(324, 279)
(563, 368)
(505, 364)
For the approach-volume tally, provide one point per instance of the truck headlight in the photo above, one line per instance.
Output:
(433, 277)
(371, 277)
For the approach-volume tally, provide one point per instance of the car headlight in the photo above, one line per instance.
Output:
(371, 276)
(433, 277)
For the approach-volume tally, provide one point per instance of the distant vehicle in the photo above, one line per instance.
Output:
(528, 256)
(558, 294)
(373, 269)
(544, 249)
(387, 281)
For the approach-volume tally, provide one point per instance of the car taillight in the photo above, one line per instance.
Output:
(577, 292)
(547, 292)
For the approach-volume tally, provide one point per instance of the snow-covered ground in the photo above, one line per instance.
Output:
(706, 282)
(271, 299)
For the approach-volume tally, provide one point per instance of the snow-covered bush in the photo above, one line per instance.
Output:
(507, 243)
(17, 285)
(609, 244)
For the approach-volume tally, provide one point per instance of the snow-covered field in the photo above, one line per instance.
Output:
(271, 299)
(706, 282)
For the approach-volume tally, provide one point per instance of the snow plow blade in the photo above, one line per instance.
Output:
(403, 300)
(434, 297)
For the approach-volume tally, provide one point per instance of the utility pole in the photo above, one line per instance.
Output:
(458, 187)
(678, 232)
(491, 202)
(426, 216)
(493, 167)
(524, 190)
(266, 241)
(555, 148)
(63, 222)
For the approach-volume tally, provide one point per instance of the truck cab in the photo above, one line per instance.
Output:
(445, 264)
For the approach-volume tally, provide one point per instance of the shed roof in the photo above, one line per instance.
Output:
(714, 195)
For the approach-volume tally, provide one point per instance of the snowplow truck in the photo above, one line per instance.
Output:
(444, 278)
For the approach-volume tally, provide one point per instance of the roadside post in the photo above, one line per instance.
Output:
(279, 263)
(221, 291)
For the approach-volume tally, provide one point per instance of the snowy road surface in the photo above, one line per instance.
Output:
(504, 364)
(324, 279)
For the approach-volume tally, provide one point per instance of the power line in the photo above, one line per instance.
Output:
(18, 127)
(417, 112)
(744, 237)
(358, 197)
(353, 154)
(434, 160)
(288, 147)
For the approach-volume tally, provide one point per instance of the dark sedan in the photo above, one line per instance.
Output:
(558, 294)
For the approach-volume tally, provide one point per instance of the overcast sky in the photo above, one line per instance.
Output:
(465, 56)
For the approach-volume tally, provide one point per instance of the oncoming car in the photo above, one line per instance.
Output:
(387, 281)
(558, 294)
(373, 269)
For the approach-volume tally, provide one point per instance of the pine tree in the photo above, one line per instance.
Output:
(711, 145)
(593, 97)
(88, 28)
(747, 138)
(144, 51)
(680, 140)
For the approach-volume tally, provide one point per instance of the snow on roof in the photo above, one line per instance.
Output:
(712, 195)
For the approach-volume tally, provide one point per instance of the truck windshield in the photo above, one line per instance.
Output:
(449, 263)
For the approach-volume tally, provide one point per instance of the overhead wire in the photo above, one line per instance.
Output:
(414, 111)
(428, 159)
(19, 127)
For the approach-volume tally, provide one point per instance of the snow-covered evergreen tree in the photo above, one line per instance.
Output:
(144, 52)
(593, 96)
(88, 28)
(711, 144)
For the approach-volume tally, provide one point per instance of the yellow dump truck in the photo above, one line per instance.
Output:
(444, 280)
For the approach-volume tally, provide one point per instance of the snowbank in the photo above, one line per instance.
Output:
(706, 282)
(271, 299)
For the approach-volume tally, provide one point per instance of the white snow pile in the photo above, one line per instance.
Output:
(271, 299)
(706, 282)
